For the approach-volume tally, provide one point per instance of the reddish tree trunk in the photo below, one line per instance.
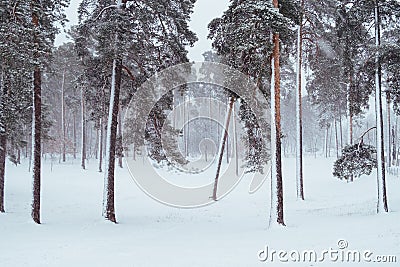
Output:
(36, 143)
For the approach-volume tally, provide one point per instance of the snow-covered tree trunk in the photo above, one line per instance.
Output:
(3, 143)
(101, 138)
(222, 147)
(108, 208)
(83, 126)
(381, 179)
(63, 116)
(3, 140)
(36, 130)
(74, 132)
(276, 215)
(389, 155)
(36, 143)
(108, 201)
(235, 136)
(350, 123)
(336, 139)
(120, 137)
(299, 126)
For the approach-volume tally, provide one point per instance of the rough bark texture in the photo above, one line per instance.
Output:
(381, 179)
(221, 152)
(109, 208)
(36, 143)
(3, 142)
(36, 133)
(277, 182)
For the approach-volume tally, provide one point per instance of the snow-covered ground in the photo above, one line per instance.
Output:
(228, 233)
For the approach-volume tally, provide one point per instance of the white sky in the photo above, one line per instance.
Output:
(204, 12)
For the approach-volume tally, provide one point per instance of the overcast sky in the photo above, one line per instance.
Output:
(204, 12)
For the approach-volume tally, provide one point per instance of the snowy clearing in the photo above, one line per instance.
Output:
(228, 233)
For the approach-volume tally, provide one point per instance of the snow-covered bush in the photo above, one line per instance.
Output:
(355, 161)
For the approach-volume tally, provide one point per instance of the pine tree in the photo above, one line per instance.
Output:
(145, 40)
(249, 49)
(44, 15)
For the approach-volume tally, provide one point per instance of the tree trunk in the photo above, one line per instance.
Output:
(101, 138)
(74, 133)
(109, 209)
(236, 144)
(120, 137)
(341, 130)
(276, 173)
(36, 143)
(36, 130)
(3, 140)
(83, 118)
(221, 151)
(381, 179)
(3, 151)
(336, 139)
(394, 156)
(299, 124)
(63, 116)
(389, 155)
(349, 110)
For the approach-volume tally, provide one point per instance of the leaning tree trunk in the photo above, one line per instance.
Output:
(276, 160)
(3, 140)
(3, 143)
(299, 124)
(381, 179)
(221, 151)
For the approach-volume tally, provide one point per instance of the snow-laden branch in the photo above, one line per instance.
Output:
(362, 136)
(104, 10)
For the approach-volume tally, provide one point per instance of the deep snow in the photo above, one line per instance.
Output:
(228, 233)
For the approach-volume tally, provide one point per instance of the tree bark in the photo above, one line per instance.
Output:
(336, 139)
(83, 118)
(221, 152)
(236, 144)
(101, 138)
(74, 132)
(109, 208)
(3, 140)
(3, 152)
(276, 173)
(389, 154)
(36, 130)
(299, 123)
(63, 117)
(381, 178)
(120, 136)
(36, 143)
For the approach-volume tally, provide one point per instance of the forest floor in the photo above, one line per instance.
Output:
(230, 232)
